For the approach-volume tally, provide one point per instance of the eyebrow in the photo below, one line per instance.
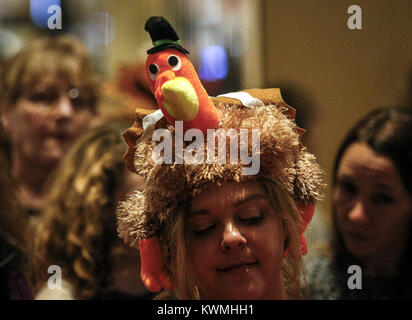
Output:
(249, 198)
(236, 204)
(383, 186)
(345, 178)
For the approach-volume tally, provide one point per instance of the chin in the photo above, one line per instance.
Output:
(51, 159)
(238, 296)
(242, 293)
(357, 250)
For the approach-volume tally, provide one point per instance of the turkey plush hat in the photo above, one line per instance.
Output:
(145, 216)
(174, 81)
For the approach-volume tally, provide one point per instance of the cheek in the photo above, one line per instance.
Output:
(82, 121)
(341, 208)
(203, 252)
(25, 124)
(204, 255)
(340, 215)
(268, 244)
(393, 221)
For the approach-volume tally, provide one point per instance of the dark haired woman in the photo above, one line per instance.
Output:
(372, 210)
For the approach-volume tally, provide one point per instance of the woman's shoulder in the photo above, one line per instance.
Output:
(322, 278)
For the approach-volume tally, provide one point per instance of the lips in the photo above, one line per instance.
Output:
(62, 135)
(237, 266)
(355, 237)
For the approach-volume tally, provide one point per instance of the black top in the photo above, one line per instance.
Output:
(13, 285)
(117, 295)
(327, 282)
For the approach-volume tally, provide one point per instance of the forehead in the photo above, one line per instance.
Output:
(50, 71)
(362, 163)
(48, 81)
(227, 195)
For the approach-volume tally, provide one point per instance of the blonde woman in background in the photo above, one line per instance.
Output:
(48, 97)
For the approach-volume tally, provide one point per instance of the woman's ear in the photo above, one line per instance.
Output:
(286, 240)
(5, 119)
(286, 243)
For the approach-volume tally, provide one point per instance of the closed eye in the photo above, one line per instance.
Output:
(203, 231)
(252, 221)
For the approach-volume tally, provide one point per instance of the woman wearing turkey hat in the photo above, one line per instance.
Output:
(206, 228)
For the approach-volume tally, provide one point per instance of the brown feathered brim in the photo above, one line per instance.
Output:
(283, 159)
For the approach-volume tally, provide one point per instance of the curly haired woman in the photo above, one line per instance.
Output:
(77, 231)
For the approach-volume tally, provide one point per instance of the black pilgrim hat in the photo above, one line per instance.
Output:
(163, 35)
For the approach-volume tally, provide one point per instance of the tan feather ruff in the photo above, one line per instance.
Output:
(282, 158)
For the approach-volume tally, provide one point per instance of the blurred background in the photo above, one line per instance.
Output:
(331, 74)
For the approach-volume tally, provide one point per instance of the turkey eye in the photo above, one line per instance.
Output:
(153, 70)
(174, 62)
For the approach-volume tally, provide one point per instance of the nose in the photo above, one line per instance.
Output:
(357, 213)
(64, 108)
(232, 238)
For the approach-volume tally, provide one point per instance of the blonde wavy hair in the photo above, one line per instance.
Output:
(77, 229)
(62, 58)
(175, 244)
